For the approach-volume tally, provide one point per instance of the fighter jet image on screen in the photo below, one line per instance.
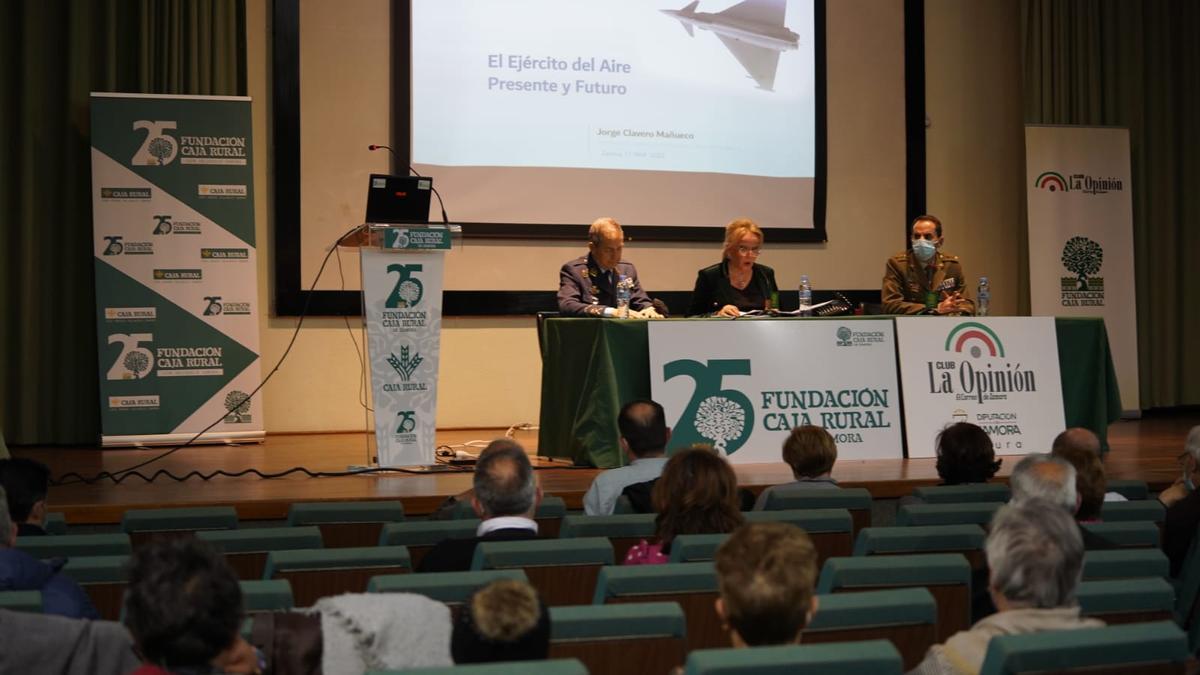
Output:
(753, 30)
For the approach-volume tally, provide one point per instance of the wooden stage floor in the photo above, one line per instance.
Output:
(1144, 449)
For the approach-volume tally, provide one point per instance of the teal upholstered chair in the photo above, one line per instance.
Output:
(1124, 564)
(696, 547)
(143, 525)
(959, 494)
(556, 667)
(21, 601)
(646, 637)
(1127, 534)
(906, 617)
(1117, 601)
(965, 539)
(347, 524)
(831, 530)
(562, 570)
(322, 572)
(419, 536)
(1143, 510)
(855, 500)
(56, 523)
(1133, 490)
(103, 578)
(874, 657)
(73, 545)
(452, 588)
(246, 550)
(266, 595)
(623, 531)
(692, 585)
(963, 513)
(1133, 648)
(549, 515)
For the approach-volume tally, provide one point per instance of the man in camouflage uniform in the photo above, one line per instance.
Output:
(587, 286)
(923, 280)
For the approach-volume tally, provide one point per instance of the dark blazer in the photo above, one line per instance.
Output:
(1179, 529)
(713, 291)
(585, 290)
(455, 555)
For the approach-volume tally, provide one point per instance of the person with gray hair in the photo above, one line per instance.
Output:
(1183, 504)
(20, 571)
(1045, 477)
(505, 496)
(587, 286)
(1035, 560)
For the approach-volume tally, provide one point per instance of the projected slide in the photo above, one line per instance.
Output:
(638, 86)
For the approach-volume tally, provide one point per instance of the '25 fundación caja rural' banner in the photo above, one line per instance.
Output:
(176, 288)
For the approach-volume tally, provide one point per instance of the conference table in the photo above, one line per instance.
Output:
(591, 367)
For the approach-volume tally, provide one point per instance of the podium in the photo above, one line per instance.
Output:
(402, 268)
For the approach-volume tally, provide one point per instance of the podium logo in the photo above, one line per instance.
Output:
(843, 337)
(720, 417)
(1083, 258)
(134, 362)
(237, 405)
(406, 421)
(974, 338)
(408, 289)
(158, 148)
(1052, 181)
(405, 365)
(115, 247)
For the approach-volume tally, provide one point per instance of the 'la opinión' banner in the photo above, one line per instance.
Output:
(742, 386)
(175, 265)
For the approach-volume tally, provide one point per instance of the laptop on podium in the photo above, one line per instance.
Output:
(398, 199)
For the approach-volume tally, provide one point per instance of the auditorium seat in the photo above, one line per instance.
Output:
(906, 617)
(617, 639)
(452, 588)
(1128, 563)
(246, 550)
(347, 524)
(556, 667)
(143, 525)
(965, 539)
(103, 578)
(961, 513)
(549, 515)
(562, 570)
(266, 595)
(1133, 490)
(623, 531)
(21, 601)
(1126, 534)
(696, 547)
(855, 500)
(692, 585)
(419, 536)
(321, 572)
(1141, 648)
(1143, 510)
(959, 494)
(1117, 601)
(829, 529)
(56, 523)
(71, 545)
(947, 576)
(874, 657)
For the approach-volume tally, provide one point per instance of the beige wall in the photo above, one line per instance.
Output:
(490, 370)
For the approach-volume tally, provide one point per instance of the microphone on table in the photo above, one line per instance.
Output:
(374, 146)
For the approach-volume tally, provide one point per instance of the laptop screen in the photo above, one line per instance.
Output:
(398, 199)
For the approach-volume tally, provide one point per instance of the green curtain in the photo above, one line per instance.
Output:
(1137, 65)
(54, 53)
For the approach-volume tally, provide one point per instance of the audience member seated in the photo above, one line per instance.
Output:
(1077, 440)
(644, 436)
(45, 644)
(1035, 558)
(505, 495)
(503, 621)
(766, 573)
(184, 609)
(697, 494)
(965, 454)
(20, 571)
(811, 452)
(1090, 483)
(1052, 480)
(1183, 505)
(26, 481)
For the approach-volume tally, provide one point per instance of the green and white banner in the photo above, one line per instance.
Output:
(176, 283)
(402, 294)
(1080, 197)
(741, 386)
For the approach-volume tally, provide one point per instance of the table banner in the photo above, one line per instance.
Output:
(999, 373)
(741, 386)
(175, 262)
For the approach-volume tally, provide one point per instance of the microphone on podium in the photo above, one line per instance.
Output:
(374, 146)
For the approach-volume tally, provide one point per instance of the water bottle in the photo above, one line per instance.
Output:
(805, 295)
(623, 293)
(983, 297)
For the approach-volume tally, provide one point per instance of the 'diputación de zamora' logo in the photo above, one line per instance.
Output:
(408, 289)
(723, 418)
(158, 148)
(237, 407)
(1083, 258)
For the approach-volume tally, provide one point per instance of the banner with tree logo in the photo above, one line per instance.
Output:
(176, 281)
(742, 386)
(1081, 235)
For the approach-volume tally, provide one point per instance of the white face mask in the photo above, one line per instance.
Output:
(923, 249)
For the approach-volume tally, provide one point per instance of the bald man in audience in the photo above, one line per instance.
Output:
(587, 286)
(1051, 480)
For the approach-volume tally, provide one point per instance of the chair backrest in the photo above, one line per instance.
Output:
(549, 514)
(562, 570)
(696, 547)
(267, 595)
(958, 513)
(1117, 601)
(419, 536)
(246, 550)
(855, 500)
(21, 601)
(1126, 534)
(556, 667)
(1124, 564)
(1144, 509)
(623, 531)
(947, 576)
(452, 588)
(874, 657)
(71, 545)
(1129, 489)
(1131, 648)
(622, 506)
(959, 494)
(831, 530)
(646, 637)
(143, 525)
(322, 572)
(56, 523)
(104, 579)
(906, 617)
(347, 524)
(965, 539)
(692, 585)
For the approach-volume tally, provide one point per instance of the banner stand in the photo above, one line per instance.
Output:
(402, 270)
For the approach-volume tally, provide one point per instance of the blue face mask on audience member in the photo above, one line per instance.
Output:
(923, 249)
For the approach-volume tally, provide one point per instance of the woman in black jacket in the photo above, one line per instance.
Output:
(737, 283)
